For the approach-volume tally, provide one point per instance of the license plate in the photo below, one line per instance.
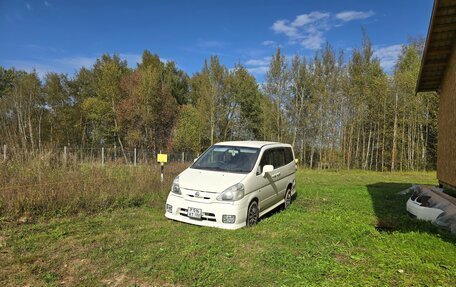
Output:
(194, 212)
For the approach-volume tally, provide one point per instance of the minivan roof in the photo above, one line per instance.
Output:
(256, 144)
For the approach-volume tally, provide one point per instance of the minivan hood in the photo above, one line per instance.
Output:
(208, 180)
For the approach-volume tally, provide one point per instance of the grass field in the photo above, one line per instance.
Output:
(346, 228)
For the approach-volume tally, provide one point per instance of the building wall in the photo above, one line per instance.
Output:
(446, 146)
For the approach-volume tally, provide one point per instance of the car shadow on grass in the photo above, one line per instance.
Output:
(278, 209)
(390, 209)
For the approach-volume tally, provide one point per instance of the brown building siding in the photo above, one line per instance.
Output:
(446, 147)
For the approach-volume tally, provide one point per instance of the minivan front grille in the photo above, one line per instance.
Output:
(198, 195)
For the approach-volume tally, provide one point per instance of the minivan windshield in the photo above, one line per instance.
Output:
(228, 159)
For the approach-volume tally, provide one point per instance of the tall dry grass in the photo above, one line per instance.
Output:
(41, 187)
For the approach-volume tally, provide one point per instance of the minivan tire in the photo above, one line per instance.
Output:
(252, 214)
(287, 199)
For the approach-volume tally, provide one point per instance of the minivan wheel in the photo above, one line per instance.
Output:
(287, 199)
(252, 214)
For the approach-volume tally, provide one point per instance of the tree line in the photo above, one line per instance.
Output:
(337, 110)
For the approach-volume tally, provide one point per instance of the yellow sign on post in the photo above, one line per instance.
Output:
(162, 157)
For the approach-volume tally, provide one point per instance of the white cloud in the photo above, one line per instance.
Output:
(306, 29)
(305, 19)
(76, 62)
(258, 66)
(268, 43)
(58, 65)
(309, 29)
(354, 15)
(258, 62)
(258, 70)
(28, 6)
(388, 55)
(29, 66)
(282, 26)
(67, 65)
(47, 4)
(313, 41)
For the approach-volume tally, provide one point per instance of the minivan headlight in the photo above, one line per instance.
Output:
(232, 193)
(175, 187)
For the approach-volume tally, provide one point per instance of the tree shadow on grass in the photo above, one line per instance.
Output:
(392, 215)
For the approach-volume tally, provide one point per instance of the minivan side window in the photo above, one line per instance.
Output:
(278, 157)
(266, 159)
(288, 155)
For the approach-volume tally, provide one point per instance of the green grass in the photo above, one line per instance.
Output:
(327, 237)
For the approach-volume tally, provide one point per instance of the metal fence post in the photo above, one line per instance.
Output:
(162, 166)
(134, 160)
(102, 156)
(4, 152)
(64, 156)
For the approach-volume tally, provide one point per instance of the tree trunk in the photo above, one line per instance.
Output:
(212, 128)
(364, 149)
(393, 153)
(368, 147)
(117, 134)
(311, 156)
(39, 130)
(350, 141)
(377, 147)
(402, 143)
(30, 127)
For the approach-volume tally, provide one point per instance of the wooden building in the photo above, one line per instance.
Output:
(438, 73)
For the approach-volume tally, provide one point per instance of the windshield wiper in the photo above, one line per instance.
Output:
(210, 168)
(237, 170)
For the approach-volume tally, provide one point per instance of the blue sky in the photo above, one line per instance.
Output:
(62, 36)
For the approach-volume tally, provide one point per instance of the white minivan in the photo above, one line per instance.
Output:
(233, 184)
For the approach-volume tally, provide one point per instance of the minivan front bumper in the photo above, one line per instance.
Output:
(212, 213)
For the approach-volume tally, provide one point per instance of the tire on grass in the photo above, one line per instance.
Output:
(252, 214)
(287, 199)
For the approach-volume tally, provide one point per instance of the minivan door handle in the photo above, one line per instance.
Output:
(276, 174)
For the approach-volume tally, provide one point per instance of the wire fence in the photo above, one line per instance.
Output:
(104, 155)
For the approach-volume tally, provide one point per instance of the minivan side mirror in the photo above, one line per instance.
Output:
(195, 159)
(267, 168)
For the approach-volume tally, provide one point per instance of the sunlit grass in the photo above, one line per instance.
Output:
(329, 236)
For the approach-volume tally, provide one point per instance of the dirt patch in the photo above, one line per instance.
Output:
(124, 280)
(342, 258)
(117, 280)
